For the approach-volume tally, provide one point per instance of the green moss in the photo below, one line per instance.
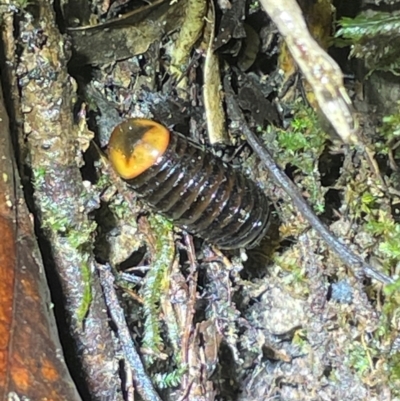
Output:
(58, 221)
(254, 5)
(103, 182)
(56, 224)
(392, 289)
(121, 209)
(376, 360)
(70, 233)
(304, 134)
(157, 281)
(166, 380)
(391, 126)
(373, 38)
(300, 147)
(370, 211)
(87, 292)
(389, 132)
(386, 333)
(82, 237)
(300, 339)
(388, 232)
(360, 357)
(394, 372)
(39, 174)
(80, 242)
(296, 278)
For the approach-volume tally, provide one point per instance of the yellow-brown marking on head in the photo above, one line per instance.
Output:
(135, 145)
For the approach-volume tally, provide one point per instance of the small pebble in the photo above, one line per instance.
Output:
(342, 292)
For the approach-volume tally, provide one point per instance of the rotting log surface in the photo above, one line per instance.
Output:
(31, 365)
(53, 141)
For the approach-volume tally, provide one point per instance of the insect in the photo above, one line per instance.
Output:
(189, 185)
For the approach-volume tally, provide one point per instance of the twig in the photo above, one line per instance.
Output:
(191, 303)
(142, 381)
(322, 73)
(281, 179)
(320, 70)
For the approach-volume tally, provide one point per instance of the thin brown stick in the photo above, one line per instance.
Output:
(320, 70)
(142, 381)
(281, 179)
(192, 280)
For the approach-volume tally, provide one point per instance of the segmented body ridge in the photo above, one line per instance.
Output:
(204, 195)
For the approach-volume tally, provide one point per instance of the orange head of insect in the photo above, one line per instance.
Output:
(135, 145)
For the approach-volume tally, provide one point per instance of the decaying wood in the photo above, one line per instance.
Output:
(54, 146)
(31, 362)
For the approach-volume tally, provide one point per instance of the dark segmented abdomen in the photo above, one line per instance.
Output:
(205, 196)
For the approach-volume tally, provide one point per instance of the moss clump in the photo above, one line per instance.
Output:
(373, 37)
(297, 150)
(157, 280)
